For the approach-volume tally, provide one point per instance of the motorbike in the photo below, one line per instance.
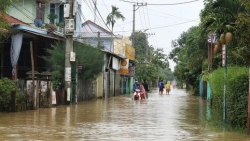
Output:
(137, 94)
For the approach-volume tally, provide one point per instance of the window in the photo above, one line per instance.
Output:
(53, 8)
(61, 14)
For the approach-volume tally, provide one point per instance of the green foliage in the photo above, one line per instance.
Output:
(56, 59)
(3, 23)
(236, 96)
(52, 17)
(91, 60)
(89, 57)
(189, 53)
(150, 63)
(115, 14)
(7, 88)
(56, 84)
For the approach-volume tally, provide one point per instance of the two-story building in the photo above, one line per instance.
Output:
(35, 24)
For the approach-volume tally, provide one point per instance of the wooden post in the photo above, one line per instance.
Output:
(36, 101)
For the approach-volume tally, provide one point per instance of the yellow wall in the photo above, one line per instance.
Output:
(119, 45)
(129, 52)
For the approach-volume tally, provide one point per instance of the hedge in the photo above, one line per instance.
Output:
(236, 96)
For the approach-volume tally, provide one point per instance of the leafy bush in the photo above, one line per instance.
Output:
(7, 88)
(236, 96)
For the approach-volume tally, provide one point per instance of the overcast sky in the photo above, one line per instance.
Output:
(163, 23)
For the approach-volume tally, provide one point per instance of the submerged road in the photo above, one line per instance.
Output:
(175, 117)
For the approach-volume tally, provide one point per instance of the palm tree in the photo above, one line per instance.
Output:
(115, 14)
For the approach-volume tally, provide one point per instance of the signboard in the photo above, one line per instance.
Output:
(115, 63)
(124, 67)
(211, 37)
(224, 56)
(68, 74)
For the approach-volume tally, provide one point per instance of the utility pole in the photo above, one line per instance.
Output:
(139, 5)
(68, 49)
(147, 48)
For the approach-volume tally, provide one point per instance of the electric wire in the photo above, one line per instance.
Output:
(177, 17)
(162, 3)
(21, 11)
(95, 36)
(119, 42)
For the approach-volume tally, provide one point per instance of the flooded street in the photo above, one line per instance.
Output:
(174, 117)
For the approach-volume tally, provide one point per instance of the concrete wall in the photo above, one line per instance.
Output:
(99, 81)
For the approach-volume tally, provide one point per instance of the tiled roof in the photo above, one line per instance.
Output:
(13, 20)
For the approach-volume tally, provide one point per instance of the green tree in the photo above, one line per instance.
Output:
(56, 59)
(224, 16)
(91, 60)
(88, 57)
(189, 52)
(113, 16)
(149, 66)
(4, 25)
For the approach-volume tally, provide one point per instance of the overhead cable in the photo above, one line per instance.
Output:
(162, 3)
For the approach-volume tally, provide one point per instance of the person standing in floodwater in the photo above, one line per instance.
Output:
(161, 87)
(168, 87)
(145, 84)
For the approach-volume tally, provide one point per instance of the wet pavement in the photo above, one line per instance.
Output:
(175, 117)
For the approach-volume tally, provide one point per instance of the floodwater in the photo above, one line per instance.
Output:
(175, 117)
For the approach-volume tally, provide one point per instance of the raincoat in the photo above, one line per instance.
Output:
(168, 86)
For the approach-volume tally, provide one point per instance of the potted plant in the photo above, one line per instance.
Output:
(60, 26)
(52, 18)
(51, 26)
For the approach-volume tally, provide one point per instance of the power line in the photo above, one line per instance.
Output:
(163, 3)
(95, 35)
(161, 26)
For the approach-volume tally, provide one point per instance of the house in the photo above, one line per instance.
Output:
(38, 13)
(29, 29)
(122, 46)
(108, 83)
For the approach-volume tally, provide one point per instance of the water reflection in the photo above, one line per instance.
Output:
(174, 117)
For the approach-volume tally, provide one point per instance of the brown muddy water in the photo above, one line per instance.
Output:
(175, 117)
